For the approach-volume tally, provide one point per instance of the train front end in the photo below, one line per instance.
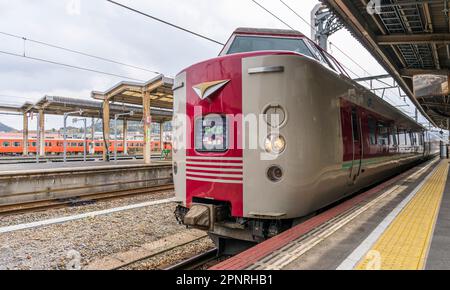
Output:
(229, 140)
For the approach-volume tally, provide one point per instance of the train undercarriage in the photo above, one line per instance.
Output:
(230, 235)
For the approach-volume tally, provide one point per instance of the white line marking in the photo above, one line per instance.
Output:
(353, 259)
(61, 220)
(204, 174)
(214, 169)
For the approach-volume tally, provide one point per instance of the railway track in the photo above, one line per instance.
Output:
(158, 250)
(196, 262)
(79, 200)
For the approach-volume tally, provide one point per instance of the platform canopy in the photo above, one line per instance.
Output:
(54, 105)
(411, 40)
(15, 108)
(159, 88)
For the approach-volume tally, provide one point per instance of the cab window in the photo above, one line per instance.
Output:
(258, 43)
(319, 56)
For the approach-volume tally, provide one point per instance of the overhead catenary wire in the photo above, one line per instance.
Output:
(166, 22)
(69, 65)
(331, 44)
(273, 14)
(310, 25)
(76, 52)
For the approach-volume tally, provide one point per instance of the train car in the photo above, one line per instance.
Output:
(320, 137)
(14, 146)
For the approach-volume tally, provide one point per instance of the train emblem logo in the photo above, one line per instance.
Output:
(205, 90)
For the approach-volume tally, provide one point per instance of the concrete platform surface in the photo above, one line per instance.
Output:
(399, 225)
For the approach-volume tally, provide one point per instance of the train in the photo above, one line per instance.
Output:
(14, 146)
(272, 131)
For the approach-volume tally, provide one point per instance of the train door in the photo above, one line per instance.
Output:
(357, 145)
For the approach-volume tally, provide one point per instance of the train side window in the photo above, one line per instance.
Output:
(394, 135)
(6, 144)
(383, 134)
(355, 124)
(413, 138)
(401, 138)
(17, 144)
(372, 130)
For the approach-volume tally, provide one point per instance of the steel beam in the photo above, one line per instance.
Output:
(428, 38)
(412, 72)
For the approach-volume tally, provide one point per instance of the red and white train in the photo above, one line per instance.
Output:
(331, 137)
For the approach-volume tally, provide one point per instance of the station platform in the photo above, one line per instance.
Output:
(402, 224)
(20, 168)
(28, 183)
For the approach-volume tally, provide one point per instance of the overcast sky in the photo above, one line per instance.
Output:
(100, 28)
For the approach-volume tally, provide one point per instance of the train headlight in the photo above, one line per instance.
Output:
(275, 173)
(275, 144)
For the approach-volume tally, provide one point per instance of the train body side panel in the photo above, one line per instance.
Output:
(313, 156)
(317, 171)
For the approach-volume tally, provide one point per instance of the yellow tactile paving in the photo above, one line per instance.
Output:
(405, 243)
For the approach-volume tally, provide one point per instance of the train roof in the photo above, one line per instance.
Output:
(268, 31)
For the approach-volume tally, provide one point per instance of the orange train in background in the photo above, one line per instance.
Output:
(11, 147)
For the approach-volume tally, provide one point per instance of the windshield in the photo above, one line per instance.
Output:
(254, 43)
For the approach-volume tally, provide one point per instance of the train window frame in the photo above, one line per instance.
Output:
(228, 46)
(393, 136)
(6, 144)
(319, 55)
(226, 133)
(17, 144)
(421, 139)
(383, 133)
(372, 130)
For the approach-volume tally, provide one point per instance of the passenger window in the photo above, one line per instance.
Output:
(394, 134)
(5, 144)
(17, 144)
(383, 134)
(413, 138)
(372, 131)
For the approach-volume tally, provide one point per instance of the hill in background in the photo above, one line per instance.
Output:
(7, 129)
